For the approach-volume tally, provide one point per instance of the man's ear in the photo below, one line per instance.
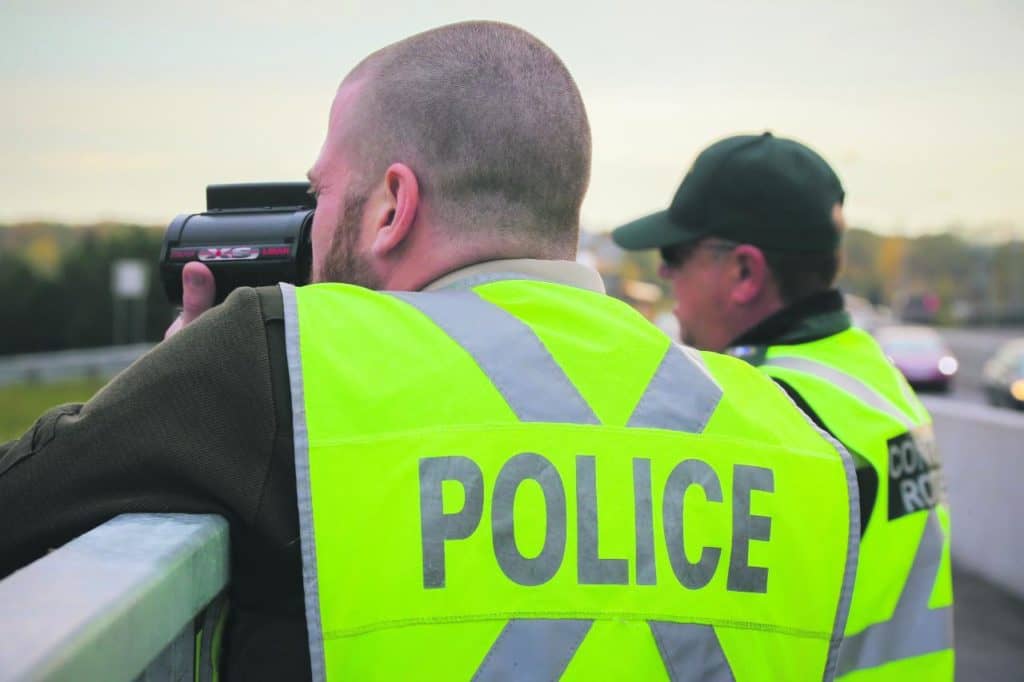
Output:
(750, 274)
(394, 212)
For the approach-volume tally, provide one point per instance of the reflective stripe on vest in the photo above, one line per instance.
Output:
(307, 538)
(844, 381)
(546, 616)
(533, 385)
(911, 629)
(914, 629)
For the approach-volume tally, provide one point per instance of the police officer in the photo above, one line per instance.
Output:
(750, 244)
(453, 457)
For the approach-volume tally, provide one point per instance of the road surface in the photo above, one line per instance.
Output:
(989, 630)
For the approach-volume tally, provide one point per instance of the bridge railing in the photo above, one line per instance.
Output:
(117, 603)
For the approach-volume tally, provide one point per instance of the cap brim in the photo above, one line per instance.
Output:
(651, 232)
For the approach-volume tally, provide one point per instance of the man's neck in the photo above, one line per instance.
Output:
(816, 316)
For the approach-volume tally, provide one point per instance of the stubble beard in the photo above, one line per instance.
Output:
(344, 263)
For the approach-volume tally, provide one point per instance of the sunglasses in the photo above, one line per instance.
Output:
(677, 254)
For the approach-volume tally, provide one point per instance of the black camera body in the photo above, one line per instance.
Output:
(252, 234)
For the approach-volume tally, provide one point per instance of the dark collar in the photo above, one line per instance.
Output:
(811, 318)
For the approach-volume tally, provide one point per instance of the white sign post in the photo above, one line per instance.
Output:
(130, 279)
(129, 283)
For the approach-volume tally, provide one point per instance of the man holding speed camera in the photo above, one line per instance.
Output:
(452, 456)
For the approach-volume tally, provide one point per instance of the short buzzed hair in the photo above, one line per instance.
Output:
(491, 122)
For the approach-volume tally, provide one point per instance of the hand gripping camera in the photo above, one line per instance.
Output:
(252, 235)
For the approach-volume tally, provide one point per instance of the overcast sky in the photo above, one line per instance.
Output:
(126, 110)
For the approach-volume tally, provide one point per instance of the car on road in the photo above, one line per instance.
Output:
(920, 354)
(1002, 379)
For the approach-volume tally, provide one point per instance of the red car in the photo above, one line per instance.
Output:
(921, 355)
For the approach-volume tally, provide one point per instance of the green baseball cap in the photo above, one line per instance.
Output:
(754, 189)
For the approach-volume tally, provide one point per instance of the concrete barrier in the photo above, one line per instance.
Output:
(117, 603)
(982, 450)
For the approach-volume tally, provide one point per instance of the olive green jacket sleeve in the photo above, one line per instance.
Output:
(200, 424)
(188, 427)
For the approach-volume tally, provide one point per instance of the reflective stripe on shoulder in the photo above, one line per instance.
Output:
(310, 585)
(914, 629)
(846, 382)
(681, 395)
(509, 353)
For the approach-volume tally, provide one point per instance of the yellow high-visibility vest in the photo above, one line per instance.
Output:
(526, 480)
(901, 619)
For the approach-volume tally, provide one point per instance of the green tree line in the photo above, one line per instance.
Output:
(55, 280)
(55, 285)
(970, 282)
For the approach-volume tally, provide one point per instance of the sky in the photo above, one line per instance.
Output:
(118, 110)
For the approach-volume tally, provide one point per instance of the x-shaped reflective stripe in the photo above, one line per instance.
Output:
(542, 649)
(680, 396)
(914, 629)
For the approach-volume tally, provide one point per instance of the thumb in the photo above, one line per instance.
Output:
(198, 290)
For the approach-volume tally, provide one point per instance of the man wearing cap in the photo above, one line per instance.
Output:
(750, 244)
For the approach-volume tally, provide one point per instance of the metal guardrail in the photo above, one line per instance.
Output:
(982, 449)
(69, 364)
(117, 603)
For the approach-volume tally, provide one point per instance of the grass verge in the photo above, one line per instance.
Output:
(22, 404)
